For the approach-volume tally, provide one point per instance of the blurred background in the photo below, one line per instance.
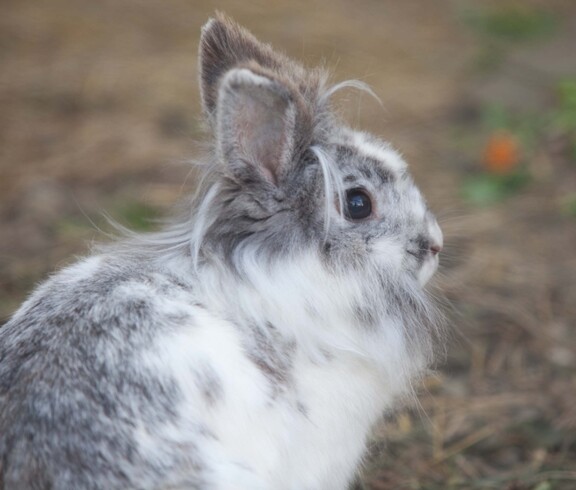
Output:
(100, 113)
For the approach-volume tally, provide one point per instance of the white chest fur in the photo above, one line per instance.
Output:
(308, 435)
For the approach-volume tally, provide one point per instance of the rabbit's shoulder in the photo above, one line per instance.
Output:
(101, 307)
(82, 359)
(101, 290)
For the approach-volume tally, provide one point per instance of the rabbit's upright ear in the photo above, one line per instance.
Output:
(255, 124)
(251, 98)
(225, 45)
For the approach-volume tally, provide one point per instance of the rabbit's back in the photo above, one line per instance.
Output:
(75, 388)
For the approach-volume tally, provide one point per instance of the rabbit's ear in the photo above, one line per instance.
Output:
(225, 45)
(255, 124)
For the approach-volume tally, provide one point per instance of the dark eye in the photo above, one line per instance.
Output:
(358, 204)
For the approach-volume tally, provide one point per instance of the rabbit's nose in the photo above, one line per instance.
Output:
(435, 248)
(435, 237)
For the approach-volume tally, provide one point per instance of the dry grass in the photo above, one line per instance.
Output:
(99, 99)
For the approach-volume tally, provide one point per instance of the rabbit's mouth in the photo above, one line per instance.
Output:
(426, 250)
(426, 258)
(428, 267)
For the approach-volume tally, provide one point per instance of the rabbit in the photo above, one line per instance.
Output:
(254, 341)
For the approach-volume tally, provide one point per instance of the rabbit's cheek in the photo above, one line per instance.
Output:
(428, 269)
(388, 252)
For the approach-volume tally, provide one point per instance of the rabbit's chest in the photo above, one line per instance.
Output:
(289, 423)
(340, 401)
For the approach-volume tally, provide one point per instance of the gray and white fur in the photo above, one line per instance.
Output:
(254, 341)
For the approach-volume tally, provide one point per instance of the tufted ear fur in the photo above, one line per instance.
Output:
(225, 45)
(262, 106)
(255, 124)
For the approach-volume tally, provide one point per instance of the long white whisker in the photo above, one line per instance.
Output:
(332, 186)
(356, 84)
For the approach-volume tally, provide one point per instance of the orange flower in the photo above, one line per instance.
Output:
(502, 153)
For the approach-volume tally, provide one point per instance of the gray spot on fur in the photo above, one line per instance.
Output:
(302, 409)
(349, 158)
(366, 316)
(209, 384)
(273, 355)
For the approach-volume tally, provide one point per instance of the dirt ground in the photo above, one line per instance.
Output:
(100, 114)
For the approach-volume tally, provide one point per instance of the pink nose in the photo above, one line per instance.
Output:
(435, 249)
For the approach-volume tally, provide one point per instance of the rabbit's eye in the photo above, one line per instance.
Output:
(358, 204)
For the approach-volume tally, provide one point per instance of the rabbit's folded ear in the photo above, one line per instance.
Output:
(255, 124)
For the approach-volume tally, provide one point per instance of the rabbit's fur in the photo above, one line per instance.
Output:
(254, 342)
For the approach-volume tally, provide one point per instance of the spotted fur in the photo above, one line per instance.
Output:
(254, 341)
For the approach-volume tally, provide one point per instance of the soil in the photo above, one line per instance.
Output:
(100, 114)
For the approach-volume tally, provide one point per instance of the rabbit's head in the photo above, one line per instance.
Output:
(296, 178)
(323, 213)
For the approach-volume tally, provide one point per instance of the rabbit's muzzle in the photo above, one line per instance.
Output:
(426, 248)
